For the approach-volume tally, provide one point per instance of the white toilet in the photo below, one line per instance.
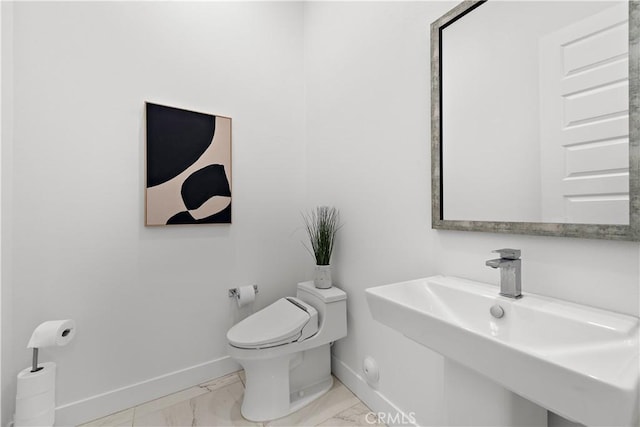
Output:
(285, 350)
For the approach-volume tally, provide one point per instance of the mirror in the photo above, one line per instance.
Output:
(535, 118)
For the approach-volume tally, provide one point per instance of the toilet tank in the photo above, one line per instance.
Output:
(332, 309)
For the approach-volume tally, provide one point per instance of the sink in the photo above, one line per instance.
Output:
(577, 361)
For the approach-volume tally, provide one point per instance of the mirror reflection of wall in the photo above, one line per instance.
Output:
(535, 113)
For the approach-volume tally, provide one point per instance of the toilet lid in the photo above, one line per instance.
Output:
(279, 323)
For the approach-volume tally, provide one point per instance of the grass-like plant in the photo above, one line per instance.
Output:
(322, 225)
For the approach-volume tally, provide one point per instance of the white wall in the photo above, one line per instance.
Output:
(368, 109)
(2, 40)
(147, 301)
(6, 136)
(367, 75)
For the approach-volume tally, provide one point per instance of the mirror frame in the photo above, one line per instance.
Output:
(589, 231)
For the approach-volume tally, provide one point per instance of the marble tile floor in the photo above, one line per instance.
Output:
(217, 403)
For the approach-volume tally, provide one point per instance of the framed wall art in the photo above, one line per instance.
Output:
(188, 167)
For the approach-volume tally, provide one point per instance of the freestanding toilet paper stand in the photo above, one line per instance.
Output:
(35, 394)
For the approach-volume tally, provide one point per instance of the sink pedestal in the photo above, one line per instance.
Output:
(472, 399)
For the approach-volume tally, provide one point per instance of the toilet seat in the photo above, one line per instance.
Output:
(285, 321)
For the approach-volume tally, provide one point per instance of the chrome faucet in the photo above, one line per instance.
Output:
(510, 266)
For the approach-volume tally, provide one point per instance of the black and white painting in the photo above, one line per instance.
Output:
(188, 167)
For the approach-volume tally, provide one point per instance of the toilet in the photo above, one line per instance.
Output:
(285, 350)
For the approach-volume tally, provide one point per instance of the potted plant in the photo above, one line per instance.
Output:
(322, 225)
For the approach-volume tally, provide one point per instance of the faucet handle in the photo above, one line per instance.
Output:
(508, 253)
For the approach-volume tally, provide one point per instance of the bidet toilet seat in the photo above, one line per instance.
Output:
(285, 350)
(285, 321)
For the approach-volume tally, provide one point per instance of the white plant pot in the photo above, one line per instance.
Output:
(322, 278)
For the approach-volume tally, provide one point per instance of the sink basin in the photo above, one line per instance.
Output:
(578, 361)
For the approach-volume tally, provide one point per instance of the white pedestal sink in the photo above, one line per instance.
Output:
(577, 361)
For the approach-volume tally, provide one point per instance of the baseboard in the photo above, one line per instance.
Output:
(100, 405)
(375, 400)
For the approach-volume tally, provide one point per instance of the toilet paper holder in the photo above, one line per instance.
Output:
(235, 291)
(50, 333)
(34, 357)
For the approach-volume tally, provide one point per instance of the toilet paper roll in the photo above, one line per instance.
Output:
(53, 332)
(35, 396)
(32, 383)
(246, 295)
(32, 406)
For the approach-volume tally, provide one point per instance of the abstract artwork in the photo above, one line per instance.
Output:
(188, 167)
